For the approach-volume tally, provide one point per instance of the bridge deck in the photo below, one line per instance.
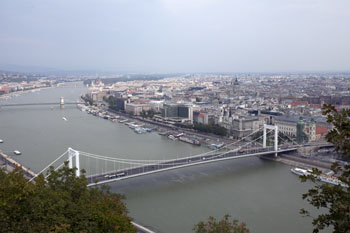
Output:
(176, 164)
(37, 104)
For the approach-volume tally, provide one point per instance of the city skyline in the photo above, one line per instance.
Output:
(166, 36)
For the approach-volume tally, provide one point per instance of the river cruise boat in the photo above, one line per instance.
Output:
(300, 172)
(332, 180)
(324, 178)
(190, 140)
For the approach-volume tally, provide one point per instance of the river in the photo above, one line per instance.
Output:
(264, 194)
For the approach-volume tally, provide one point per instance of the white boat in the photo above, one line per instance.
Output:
(17, 152)
(148, 130)
(1, 141)
(216, 146)
(172, 137)
(332, 180)
(133, 126)
(324, 178)
(65, 119)
(139, 130)
(300, 172)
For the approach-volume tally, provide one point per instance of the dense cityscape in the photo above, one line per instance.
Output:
(210, 109)
(175, 116)
(239, 103)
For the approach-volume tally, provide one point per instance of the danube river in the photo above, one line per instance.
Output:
(266, 195)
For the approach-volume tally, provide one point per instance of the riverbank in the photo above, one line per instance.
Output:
(9, 164)
(297, 161)
(18, 93)
(188, 135)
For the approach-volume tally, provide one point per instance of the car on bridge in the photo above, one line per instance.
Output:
(121, 174)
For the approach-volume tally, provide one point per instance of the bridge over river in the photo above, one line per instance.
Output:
(61, 103)
(111, 168)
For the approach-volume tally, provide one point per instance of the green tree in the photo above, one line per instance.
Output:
(143, 114)
(215, 129)
(150, 113)
(333, 199)
(225, 225)
(60, 203)
(87, 100)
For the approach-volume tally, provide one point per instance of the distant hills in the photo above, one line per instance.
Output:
(48, 71)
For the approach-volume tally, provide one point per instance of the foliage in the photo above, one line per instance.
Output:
(87, 100)
(60, 203)
(147, 114)
(215, 129)
(334, 199)
(112, 103)
(225, 225)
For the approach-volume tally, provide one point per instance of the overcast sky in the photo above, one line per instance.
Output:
(177, 35)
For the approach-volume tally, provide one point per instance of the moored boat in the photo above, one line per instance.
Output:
(189, 140)
(332, 180)
(300, 172)
(172, 137)
(324, 178)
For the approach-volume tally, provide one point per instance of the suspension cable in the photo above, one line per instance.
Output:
(157, 161)
(48, 166)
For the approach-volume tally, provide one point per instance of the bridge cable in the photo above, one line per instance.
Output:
(205, 153)
(48, 166)
(171, 163)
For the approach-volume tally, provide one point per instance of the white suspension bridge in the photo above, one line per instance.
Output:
(104, 169)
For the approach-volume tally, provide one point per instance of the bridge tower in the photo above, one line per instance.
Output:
(71, 154)
(275, 128)
(62, 102)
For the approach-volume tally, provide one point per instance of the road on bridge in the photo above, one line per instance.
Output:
(178, 163)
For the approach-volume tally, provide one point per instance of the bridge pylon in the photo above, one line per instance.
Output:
(275, 128)
(71, 154)
(62, 102)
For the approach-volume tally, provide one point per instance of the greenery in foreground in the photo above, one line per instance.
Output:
(334, 199)
(61, 203)
(224, 225)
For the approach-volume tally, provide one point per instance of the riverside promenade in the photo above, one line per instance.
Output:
(9, 164)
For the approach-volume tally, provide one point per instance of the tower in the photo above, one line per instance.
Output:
(62, 102)
(275, 128)
(235, 87)
(71, 154)
(301, 135)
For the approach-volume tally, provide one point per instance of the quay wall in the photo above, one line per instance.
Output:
(11, 164)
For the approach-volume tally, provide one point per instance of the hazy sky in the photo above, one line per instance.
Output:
(177, 35)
